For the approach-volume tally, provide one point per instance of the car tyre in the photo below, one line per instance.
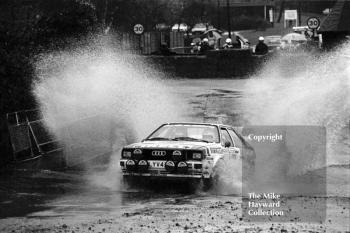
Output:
(128, 182)
(207, 184)
(219, 171)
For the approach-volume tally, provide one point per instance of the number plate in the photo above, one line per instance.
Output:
(157, 164)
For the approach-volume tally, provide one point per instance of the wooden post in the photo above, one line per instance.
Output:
(218, 14)
(228, 18)
(299, 14)
(140, 47)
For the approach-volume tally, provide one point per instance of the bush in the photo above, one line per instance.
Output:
(49, 26)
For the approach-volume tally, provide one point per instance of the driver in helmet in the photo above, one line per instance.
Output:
(228, 44)
(205, 46)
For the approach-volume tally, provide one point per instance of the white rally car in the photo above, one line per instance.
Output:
(185, 151)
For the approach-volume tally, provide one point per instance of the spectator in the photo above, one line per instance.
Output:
(205, 46)
(261, 48)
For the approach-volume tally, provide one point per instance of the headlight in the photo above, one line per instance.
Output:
(137, 151)
(197, 155)
(182, 167)
(177, 155)
(142, 166)
(130, 165)
(137, 154)
(177, 152)
(170, 166)
(126, 154)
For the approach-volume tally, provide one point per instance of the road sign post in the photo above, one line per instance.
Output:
(313, 23)
(138, 30)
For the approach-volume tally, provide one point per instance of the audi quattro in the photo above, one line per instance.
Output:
(184, 151)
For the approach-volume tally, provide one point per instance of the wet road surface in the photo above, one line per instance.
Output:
(74, 201)
(68, 201)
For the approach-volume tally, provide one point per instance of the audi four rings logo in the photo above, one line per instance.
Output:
(158, 153)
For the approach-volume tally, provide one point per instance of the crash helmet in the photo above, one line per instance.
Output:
(261, 38)
(228, 40)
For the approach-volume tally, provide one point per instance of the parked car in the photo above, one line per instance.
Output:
(236, 38)
(293, 41)
(273, 42)
(217, 38)
(200, 28)
(180, 27)
(185, 151)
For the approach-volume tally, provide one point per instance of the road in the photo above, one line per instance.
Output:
(70, 202)
(94, 201)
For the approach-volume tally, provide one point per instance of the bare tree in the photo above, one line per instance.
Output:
(281, 11)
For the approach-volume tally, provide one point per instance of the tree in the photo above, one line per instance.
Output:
(28, 27)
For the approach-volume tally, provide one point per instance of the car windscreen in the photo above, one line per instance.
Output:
(207, 133)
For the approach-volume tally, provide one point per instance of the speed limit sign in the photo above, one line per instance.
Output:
(138, 29)
(313, 23)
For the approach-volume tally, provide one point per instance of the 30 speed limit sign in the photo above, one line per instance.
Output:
(313, 23)
(138, 29)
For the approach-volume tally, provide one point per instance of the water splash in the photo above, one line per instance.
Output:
(305, 90)
(97, 98)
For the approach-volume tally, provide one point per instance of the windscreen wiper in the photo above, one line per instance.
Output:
(159, 139)
(190, 139)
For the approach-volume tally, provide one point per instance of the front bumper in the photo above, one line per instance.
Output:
(162, 175)
(195, 170)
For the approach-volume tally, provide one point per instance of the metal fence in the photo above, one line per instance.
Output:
(150, 42)
(28, 136)
(78, 141)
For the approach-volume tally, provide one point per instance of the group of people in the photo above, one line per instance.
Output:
(203, 46)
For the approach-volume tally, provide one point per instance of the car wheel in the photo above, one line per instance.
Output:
(219, 172)
(200, 185)
(128, 182)
(207, 184)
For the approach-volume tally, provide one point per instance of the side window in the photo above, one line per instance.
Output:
(237, 141)
(225, 137)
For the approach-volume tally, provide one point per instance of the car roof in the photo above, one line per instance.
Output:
(196, 123)
(274, 36)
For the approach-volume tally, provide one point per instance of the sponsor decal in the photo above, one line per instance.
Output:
(216, 150)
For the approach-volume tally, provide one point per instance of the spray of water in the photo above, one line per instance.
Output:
(96, 99)
(303, 90)
(313, 92)
(297, 90)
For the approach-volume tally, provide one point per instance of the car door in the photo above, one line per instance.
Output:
(227, 143)
(237, 144)
(247, 154)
